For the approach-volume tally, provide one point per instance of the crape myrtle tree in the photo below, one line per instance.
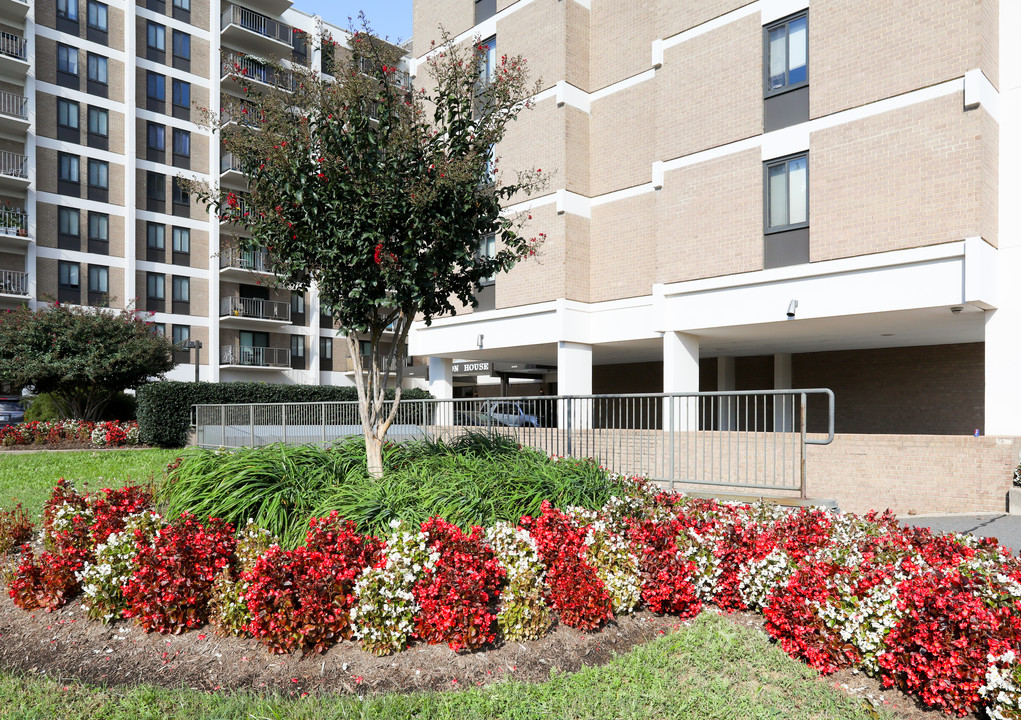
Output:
(82, 356)
(379, 194)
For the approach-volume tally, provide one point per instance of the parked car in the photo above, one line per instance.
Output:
(512, 414)
(11, 412)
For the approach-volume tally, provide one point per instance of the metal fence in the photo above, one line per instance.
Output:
(748, 440)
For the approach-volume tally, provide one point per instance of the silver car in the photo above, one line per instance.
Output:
(511, 414)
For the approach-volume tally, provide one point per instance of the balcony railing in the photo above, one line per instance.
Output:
(255, 308)
(13, 282)
(229, 162)
(244, 66)
(237, 210)
(400, 78)
(255, 260)
(255, 356)
(257, 23)
(13, 46)
(13, 164)
(13, 221)
(13, 105)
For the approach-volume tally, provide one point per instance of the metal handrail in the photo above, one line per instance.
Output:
(257, 23)
(228, 162)
(256, 308)
(255, 260)
(13, 282)
(13, 46)
(13, 164)
(238, 211)
(13, 221)
(241, 65)
(255, 356)
(13, 105)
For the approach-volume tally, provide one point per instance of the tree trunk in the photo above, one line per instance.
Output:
(374, 455)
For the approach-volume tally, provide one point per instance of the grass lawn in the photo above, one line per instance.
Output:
(712, 669)
(29, 477)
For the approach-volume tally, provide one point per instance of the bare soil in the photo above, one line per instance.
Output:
(65, 644)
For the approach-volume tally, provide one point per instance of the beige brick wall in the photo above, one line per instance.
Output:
(12, 261)
(115, 20)
(115, 78)
(117, 188)
(46, 224)
(865, 51)
(577, 47)
(46, 59)
(455, 16)
(990, 178)
(538, 33)
(535, 140)
(116, 129)
(629, 29)
(577, 148)
(576, 257)
(989, 35)
(540, 278)
(199, 296)
(710, 90)
(710, 219)
(200, 14)
(902, 179)
(46, 114)
(46, 169)
(116, 285)
(46, 15)
(623, 119)
(622, 250)
(46, 281)
(117, 238)
(676, 17)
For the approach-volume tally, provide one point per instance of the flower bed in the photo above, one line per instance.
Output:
(109, 433)
(938, 616)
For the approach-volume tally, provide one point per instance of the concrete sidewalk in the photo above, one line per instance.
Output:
(1005, 528)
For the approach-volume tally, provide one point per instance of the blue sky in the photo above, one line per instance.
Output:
(388, 17)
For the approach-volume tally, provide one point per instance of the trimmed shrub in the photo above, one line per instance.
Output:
(164, 408)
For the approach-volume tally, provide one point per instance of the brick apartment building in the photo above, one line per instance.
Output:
(766, 194)
(101, 110)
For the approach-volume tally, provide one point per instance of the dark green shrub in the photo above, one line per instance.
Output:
(164, 408)
(42, 408)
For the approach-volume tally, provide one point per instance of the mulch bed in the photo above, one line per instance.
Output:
(66, 644)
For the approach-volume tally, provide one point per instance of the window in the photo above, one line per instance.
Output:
(787, 193)
(158, 329)
(67, 275)
(68, 10)
(786, 54)
(181, 240)
(182, 334)
(99, 174)
(183, 5)
(68, 222)
(97, 69)
(67, 58)
(487, 249)
(180, 193)
(99, 227)
(487, 63)
(156, 36)
(297, 346)
(97, 15)
(182, 45)
(182, 93)
(326, 348)
(155, 86)
(182, 142)
(154, 236)
(297, 304)
(154, 289)
(155, 136)
(99, 279)
(67, 113)
(155, 186)
(181, 289)
(99, 121)
(67, 168)
(484, 9)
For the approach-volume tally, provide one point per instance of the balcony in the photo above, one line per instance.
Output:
(234, 64)
(264, 358)
(270, 7)
(237, 211)
(239, 265)
(13, 56)
(13, 283)
(239, 312)
(13, 112)
(13, 229)
(249, 30)
(230, 171)
(14, 10)
(13, 171)
(400, 78)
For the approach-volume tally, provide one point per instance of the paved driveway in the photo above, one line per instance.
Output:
(1005, 528)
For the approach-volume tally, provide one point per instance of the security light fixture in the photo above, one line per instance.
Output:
(791, 308)
(956, 309)
(479, 341)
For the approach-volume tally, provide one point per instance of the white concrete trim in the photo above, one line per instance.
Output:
(193, 320)
(168, 269)
(775, 9)
(81, 203)
(568, 94)
(544, 308)
(624, 84)
(182, 222)
(979, 92)
(624, 194)
(83, 151)
(172, 74)
(85, 258)
(79, 96)
(41, 31)
(714, 24)
(531, 204)
(547, 94)
(573, 203)
(788, 141)
(172, 24)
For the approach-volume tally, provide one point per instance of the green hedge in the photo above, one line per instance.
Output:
(164, 408)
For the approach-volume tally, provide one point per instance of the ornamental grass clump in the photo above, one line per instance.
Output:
(383, 615)
(103, 578)
(302, 598)
(522, 613)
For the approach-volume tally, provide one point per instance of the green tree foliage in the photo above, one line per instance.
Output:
(81, 356)
(379, 193)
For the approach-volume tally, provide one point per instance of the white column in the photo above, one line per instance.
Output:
(783, 408)
(441, 385)
(574, 377)
(726, 380)
(31, 265)
(680, 375)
